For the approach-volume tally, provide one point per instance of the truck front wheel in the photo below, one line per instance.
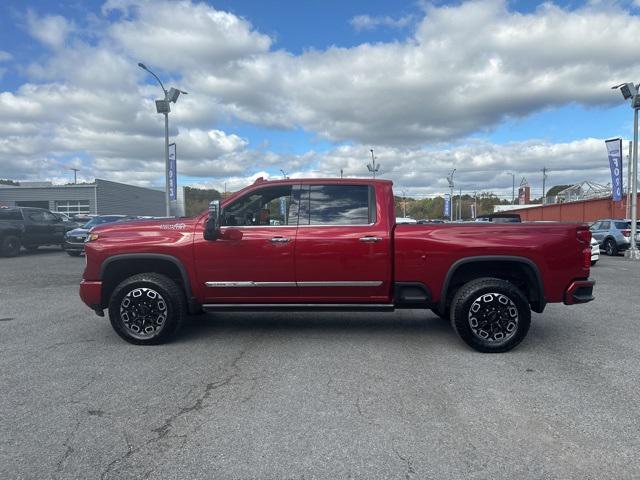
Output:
(147, 309)
(491, 315)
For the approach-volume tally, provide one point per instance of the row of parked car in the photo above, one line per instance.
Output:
(30, 228)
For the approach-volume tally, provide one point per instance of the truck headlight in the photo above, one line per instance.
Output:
(91, 237)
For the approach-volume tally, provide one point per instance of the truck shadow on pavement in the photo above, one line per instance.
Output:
(326, 323)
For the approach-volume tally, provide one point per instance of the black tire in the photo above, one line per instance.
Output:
(167, 305)
(593, 262)
(31, 248)
(10, 246)
(73, 253)
(502, 309)
(611, 247)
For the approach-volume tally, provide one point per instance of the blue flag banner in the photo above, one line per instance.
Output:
(447, 205)
(173, 173)
(614, 150)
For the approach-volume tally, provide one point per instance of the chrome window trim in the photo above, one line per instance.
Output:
(250, 284)
(373, 283)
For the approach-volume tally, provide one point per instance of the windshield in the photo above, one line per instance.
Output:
(100, 220)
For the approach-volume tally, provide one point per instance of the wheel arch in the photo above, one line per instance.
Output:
(506, 267)
(118, 267)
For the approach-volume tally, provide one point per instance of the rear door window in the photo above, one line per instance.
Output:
(605, 225)
(339, 205)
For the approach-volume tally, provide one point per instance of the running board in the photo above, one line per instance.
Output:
(216, 307)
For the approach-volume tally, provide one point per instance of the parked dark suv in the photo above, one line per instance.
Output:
(614, 235)
(29, 228)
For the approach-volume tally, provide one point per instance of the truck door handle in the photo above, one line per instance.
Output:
(370, 239)
(280, 240)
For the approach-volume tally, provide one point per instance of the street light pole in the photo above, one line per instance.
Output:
(162, 106)
(630, 91)
(633, 252)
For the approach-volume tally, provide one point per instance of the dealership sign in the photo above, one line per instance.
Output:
(173, 176)
(614, 150)
(447, 205)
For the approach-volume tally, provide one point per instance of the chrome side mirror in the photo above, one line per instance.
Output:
(212, 227)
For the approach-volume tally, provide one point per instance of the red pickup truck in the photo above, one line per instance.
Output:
(332, 244)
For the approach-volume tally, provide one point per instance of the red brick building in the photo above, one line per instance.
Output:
(580, 211)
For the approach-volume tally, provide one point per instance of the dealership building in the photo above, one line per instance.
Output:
(102, 197)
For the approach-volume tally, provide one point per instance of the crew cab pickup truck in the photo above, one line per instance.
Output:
(332, 244)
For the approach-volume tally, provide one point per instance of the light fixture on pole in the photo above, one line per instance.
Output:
(284, 174)
(164, 107)
(451, 185)
(630, 91)
(372, 167)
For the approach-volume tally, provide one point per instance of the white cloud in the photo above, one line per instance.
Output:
(368, 22)
(51, 30)
(5, 56)
(183, 35)
(465, 69)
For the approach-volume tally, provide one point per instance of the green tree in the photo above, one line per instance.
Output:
(197, 200)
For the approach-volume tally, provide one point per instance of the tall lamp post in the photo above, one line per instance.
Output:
(372, 167)
(164, 107)
(630, 91)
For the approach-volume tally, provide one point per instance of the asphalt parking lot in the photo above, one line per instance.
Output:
(293, 396)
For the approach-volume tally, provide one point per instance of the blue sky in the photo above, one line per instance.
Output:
(311, 86)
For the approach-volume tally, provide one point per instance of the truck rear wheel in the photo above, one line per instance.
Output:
(147, 309)
(490, 315)
(10, 246)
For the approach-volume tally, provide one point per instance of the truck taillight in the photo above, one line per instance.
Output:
(584, 237)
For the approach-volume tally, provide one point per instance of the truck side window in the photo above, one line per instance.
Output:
(341, 205)
(269, 206)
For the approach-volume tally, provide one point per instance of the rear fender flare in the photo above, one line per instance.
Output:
(540, 300)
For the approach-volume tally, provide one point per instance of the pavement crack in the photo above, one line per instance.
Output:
(410, 471)
(68, 451)
(199, 404)
(130, 451)
(74, 342)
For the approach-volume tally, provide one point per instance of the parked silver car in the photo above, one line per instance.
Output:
(613, 235)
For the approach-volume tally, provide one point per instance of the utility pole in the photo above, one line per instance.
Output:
(475, 205)
(513, 187)
(404, 203)
(75, 175)
(460, 205)
(544, 183)
(341, 172)
(451, 185)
